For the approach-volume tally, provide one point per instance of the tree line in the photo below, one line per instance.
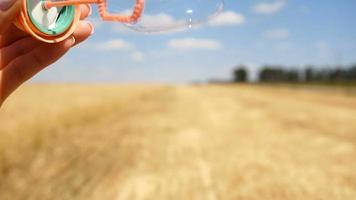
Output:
(310, 74)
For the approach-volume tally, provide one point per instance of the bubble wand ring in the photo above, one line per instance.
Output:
(104, 14)
(54, 21)
(25, 22)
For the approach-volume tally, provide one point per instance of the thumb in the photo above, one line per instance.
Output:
(9, 9)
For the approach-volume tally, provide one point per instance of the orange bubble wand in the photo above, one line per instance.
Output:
(64, 16)
(102, 4)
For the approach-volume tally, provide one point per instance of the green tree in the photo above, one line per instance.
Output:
(240, 74)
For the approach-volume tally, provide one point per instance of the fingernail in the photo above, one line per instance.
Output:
(6, 4)
(72, 41)
(92, 28)
(90, 10)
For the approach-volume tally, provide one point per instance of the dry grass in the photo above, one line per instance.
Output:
(177, 142)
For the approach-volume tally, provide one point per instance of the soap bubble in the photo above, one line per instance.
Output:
(166, 15)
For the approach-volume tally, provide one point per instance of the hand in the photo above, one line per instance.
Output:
(22, 56)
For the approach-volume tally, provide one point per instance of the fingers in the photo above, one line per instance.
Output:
(24, 67)
(13, 33)
(25, 45)
(19, 48)
(22, 59)
(84, 28)
(8, 11)
(86, 11)
(83, 31)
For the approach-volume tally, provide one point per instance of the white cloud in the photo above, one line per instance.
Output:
(280, 33)
(137, 56)
(159, 20)
(269, 8)
(119, 45)
(228, 18)
(114, 45)
(121, 28)
(161, 23)
(194, 44)
(157, 23)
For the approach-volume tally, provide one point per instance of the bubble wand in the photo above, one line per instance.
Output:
(54, 21)
(136, 13)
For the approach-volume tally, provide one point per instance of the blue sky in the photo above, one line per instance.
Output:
(293, 33)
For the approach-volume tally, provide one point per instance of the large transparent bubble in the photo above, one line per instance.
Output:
(166, 15)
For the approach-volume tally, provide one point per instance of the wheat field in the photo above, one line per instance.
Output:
(117, 142)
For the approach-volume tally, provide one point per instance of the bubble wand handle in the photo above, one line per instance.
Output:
(102, 5)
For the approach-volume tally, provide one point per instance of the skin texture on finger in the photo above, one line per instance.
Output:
(25, 45)
(11, 35)
(83, 31)
(18, 48)
(86, 11)
(7, 17)
(24, 67)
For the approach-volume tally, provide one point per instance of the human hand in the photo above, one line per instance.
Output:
(22, 56)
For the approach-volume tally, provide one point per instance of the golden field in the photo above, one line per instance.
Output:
(178, 142)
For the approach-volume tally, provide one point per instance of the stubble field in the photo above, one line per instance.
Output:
(178, 142)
